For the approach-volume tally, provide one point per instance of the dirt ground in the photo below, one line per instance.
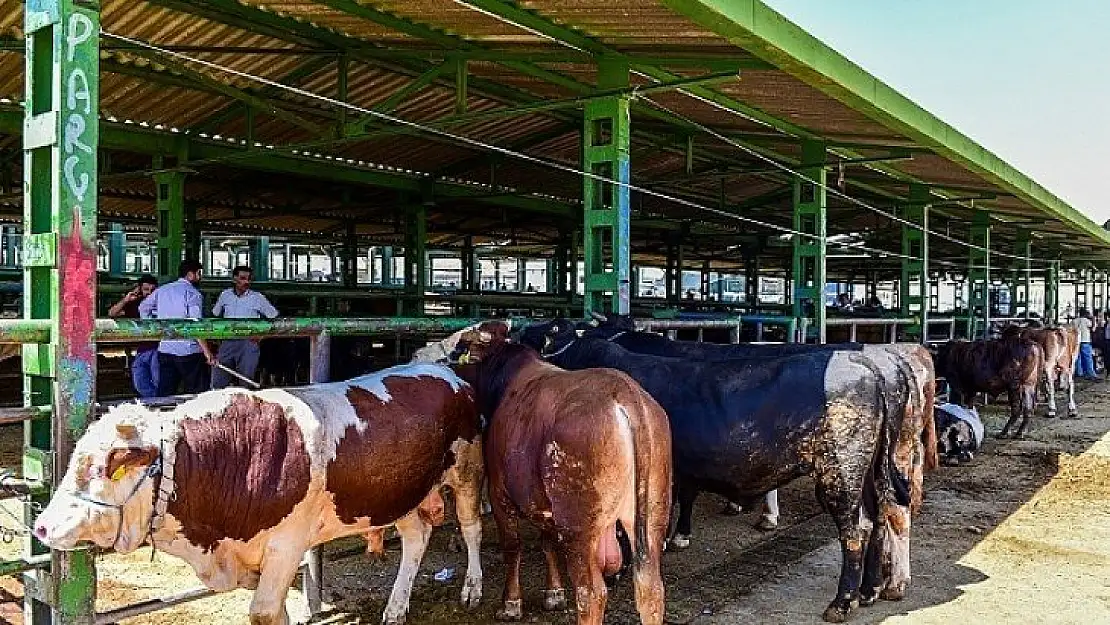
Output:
(1020, 535)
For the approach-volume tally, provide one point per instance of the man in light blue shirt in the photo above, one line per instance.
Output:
(180, 360)
(240, 302)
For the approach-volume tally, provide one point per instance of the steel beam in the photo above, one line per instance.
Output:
(810, 206)
(606, 208)
(260, 259)
(117, 250)
(979, 276)
(914, 286)
(1021, 280)
(60, 147)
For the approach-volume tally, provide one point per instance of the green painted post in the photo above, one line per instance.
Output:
(350, 256)
(416, 270)
(192, 233)
(11, 237)
(705, 281)
(260, 259)
(605, 153)
(117, 250)
(1023, 274)
(387, 266)
(60, 142)
(979, 276)
(170, 209)
(670, 288)
(914, 286)
(751, 281)
(575, 244)
(469, 277)
(810, 203)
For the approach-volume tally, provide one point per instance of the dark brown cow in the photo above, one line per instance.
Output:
(575, 453)
(1011, 365)
(240, 484)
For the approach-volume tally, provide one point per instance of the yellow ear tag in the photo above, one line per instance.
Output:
(118, 474)
(464, 359)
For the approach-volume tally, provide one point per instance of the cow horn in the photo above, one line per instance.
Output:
(600, 318)
(127, 431)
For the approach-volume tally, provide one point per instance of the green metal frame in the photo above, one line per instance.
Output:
(606, 210)
(914, 287)
(810, 215)
(979, 276)
(60, 142)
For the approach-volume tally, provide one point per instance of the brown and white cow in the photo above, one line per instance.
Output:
(1061, 347)
(574, 452)
(240, 484)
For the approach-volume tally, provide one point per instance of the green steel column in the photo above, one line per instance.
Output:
(416, 259)
(170, 209)
(387, 266)
(705, 280)
(575, 245)
(751, 280)
(979, 276)
(468, 279)
(350, 256)
(11, 238)
(605, 153)
(809, 252)
(192, 233)
(60, 141)
(914, 287)
(1023, 274)
(671, 286)
(117, 250)
(260, 259)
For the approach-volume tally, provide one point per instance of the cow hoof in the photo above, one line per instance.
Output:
(513, 611)
(394, 619)
(1073, 415)
(896, 592)
(1020, 436)
(472, 591)
(680, 541)
(1051, 415)
(731, 509)
(767, 524)
(555, 600)
(839, 611)
(867, 600)
(1003, 435)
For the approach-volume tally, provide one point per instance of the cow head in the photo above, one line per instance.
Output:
(107, 495)
(473, 345)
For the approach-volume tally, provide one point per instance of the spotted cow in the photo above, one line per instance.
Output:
(1061, 347)
(241, 483)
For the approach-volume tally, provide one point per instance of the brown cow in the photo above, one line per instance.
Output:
(1012, 364)
(240, 484)
(575, 453)
(1061, 347)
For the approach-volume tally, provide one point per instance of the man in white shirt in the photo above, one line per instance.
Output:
(180, 360)
(240, 302)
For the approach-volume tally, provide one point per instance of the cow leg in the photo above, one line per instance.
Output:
(1069, 379)
(1050, 387)
(686, 498)
(875, 567)
(590, 592)
(1016, 397)
(855, 533)
(466, 480)
(279, 568)
(647, 576)
(1012, 395)
(554, 595)
(508, 529)
(414, 533)
(896, 559)
(769, 514)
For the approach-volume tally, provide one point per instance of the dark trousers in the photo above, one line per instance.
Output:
(190, 370)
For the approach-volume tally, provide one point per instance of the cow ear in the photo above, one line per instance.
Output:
(122, 459)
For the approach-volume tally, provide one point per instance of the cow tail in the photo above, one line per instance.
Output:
(929, 427)
(641, 476)
(891, 486)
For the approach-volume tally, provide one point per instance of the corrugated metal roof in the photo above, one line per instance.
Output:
(134, 87)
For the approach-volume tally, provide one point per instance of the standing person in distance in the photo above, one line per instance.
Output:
(180, 360)
(1085, 364)
(240, 302)
(144, 366)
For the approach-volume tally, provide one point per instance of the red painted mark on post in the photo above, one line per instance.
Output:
(78, 295)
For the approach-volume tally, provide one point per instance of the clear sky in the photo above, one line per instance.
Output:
(1027, 79)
